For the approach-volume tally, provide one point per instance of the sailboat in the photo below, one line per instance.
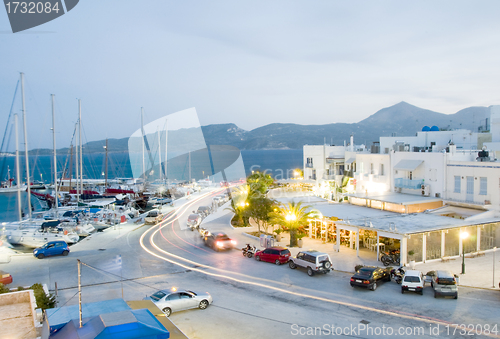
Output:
(29, 232)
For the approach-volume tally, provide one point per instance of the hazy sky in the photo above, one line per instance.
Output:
(248, 62)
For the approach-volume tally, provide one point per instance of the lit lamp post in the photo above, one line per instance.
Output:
(463, 236)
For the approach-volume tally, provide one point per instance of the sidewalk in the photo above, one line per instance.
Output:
(479, 270)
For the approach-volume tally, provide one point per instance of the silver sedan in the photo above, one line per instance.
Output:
(172, 301)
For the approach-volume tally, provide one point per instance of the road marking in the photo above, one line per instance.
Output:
(402, 315)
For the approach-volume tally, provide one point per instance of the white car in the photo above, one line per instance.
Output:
(173, 301)
(413, 281)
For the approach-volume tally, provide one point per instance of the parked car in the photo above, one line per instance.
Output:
(277, 255)
(153, 217)
(174, 301)
(443, 283)
(313, 261)
(219, 241)
(194, 221)
(5, 278)
(413, 281)
(51, 248)
(369, 276)
(204, 211)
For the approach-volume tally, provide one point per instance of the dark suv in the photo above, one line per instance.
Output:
(51, 248)
(277, 255)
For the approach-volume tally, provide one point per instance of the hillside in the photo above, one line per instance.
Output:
(400, 119)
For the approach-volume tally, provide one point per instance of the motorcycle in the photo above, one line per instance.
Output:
(248, 251)
(397, 274)
(391, 257)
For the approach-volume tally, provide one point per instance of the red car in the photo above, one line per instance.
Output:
(277, 255)
(5, 278)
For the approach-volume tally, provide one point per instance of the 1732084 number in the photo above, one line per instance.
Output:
(31, 7)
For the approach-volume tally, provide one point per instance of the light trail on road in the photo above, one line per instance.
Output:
(402, 315)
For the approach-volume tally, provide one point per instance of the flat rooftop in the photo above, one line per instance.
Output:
(396, 198)
(374, 219)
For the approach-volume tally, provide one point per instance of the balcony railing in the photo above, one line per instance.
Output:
(408, 183)
(309, 165)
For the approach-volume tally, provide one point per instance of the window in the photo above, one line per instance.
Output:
(371, 168)
(470, 185)
(483, 188)
(381, 169)
(457, 184)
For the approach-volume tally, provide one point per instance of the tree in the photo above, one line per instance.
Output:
(258, 183)
(259, 210)
(292, 216)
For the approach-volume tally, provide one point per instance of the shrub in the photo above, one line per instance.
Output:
(43, 300)
(3, 289)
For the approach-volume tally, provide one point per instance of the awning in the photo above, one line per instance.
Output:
(408, 165)
(350, 160)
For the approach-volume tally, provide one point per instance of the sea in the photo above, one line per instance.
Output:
(277, 163)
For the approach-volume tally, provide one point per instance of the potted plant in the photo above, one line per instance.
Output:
(299, 236)
(412, 262)
(278, 234)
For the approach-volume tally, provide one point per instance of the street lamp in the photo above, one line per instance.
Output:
(463, 236)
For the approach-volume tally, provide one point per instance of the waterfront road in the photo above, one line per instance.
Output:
(251, 299)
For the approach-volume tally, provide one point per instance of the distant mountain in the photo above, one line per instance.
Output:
(401, 119)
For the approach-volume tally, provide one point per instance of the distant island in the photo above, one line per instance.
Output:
(401, 119)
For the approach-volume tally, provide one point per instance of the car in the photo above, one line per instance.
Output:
(369, 277)
(52, 248)
(173, 301)
(277, 255)
(194, 221)
(313, 261)
(219, 241)
(443, 283)
(5, 278)
(413, 281)
(153, 217)
(204, 211)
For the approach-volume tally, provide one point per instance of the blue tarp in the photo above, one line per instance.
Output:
(133, 324)
(58, 317)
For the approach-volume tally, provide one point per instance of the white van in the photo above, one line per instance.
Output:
(413, 281)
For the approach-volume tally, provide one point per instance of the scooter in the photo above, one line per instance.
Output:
(390, 258)
(248, 251)
(397, 274)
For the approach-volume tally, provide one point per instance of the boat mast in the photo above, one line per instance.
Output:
(26, 148)
(77, 170)
(80, 137)
(159, 151)
(189, 159)
(166, 152)
(18, 174)
(70, 165)
(106, 167)
(142, 138)
(55, 157)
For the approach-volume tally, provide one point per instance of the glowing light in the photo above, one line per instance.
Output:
(464, 235)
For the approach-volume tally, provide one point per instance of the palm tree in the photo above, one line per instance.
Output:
(239, 202)
(292, 215)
